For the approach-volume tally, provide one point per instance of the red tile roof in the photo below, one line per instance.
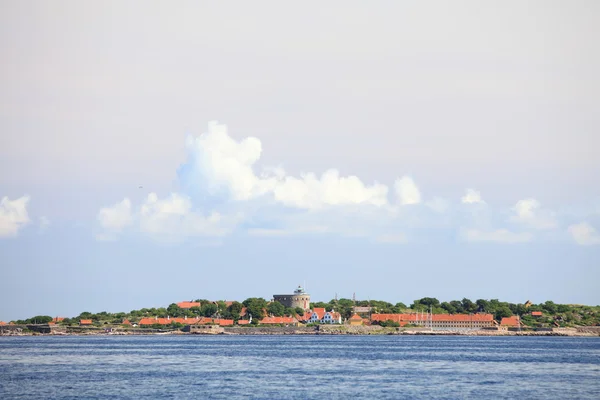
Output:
(2, 323)
(320, 312)
(243, 322)
(304, 317)
(536, 313)
(85, 322)
(510, 321)
(57, 319)
(126, 322)
(188, 304)
(355, 317)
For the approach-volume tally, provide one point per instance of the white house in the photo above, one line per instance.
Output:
(332, 317)
(320, 316)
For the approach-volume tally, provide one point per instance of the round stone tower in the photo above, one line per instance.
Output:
(299, 299)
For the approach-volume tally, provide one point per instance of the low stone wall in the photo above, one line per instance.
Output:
(271, 330)
(589, 329)
(11, 330)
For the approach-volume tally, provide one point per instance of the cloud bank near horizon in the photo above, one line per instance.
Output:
(225, 176)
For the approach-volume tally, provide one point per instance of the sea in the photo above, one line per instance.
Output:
(299, 367)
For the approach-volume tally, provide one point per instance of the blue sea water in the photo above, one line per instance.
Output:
(299, 367)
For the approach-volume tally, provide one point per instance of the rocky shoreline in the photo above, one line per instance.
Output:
(593, 331)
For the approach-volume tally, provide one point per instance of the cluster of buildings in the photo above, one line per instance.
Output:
(361, 316)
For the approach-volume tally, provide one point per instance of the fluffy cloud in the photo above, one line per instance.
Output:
(528, 213)
(13, 216)
(471, 197)
(498, 235)
(407, 191)
(310, 192)
(221, 171)
(169, 219)
(219, 164)
(584, 234)
(174, 218)
(114, 219)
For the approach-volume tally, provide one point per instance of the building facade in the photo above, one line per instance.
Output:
(299, 299)
(440, 321)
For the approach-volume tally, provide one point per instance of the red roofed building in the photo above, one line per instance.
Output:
(536, 314)
(304, 318)
(243, 322)
(332, 317)
(126, 322)
(58, 319)
(513, 321)
(85, 322)
(188, 304)
(356, 320)
(317, 315)
(464, 321)
(2, 323)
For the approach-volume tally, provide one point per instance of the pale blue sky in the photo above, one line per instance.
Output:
(396, 150)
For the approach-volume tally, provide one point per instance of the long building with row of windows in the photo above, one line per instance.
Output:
(442, 321)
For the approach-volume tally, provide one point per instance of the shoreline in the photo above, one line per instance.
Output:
(585, 331)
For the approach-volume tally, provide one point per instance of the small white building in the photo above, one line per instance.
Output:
(320, 316)
(332, 317)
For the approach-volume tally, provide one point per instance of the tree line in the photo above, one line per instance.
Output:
(258, 308)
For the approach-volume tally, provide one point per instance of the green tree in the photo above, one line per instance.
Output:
(449, 308)
(299, 311)
(502, 311)
(174, 310)
(457, 306)
(208, 309)
(255, 307)
(39, 319)
(425, 301)
(550, 307)
(468, 306)
(276, 308)
(234, 309)
(482, 305)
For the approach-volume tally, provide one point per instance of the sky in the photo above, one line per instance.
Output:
(153, 152)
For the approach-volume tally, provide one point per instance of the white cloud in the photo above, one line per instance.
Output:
(221, 163)
(13, 216)
(472, 197)
(499, 235)
(407, 191)
(529, 213)
(310, 192)
(584, 234)
(173, 218)
(169, 219)
(218, 163)
(224, 171)
(114, 219)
